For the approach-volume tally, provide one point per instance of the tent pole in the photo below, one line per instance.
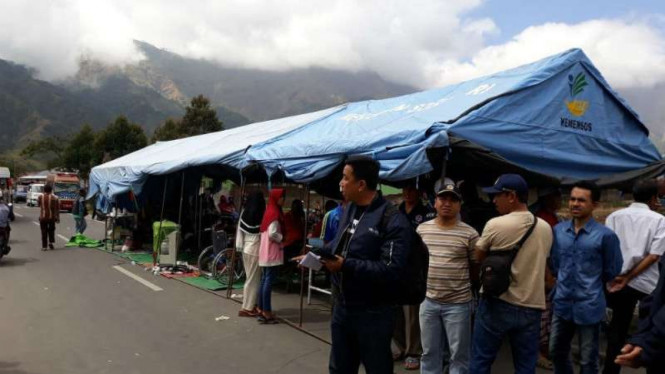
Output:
(161, 220)
(302, 270)
(182, 192)
(444, 168)
(196, 217)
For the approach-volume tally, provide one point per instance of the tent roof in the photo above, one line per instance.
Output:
(398, 131)
(556, 117)
(560, 119)
(226, 147)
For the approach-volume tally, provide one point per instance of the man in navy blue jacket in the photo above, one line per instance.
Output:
(370, 257)
(647, 347)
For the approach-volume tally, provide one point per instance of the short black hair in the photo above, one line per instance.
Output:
(48, 188)
(590, 186)
(330, 205)
(365, 168)
(644, 190)
(523, 197)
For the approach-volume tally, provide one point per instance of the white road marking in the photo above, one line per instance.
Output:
(18, 215)
(36, 223)
(144, 282)
(63, 237)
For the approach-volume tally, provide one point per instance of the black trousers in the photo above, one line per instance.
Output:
(48, 229)
(362, 336)
(623, 305)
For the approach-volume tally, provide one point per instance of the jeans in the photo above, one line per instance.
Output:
(623, 305)
(496, 319)
(268, 275)
(361, 335)
(446, 335)
(81, 225)
(562, 335)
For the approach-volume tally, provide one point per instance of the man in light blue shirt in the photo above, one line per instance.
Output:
(585, 255)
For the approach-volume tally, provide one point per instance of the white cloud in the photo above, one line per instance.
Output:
(392, 37)
(629, 54)
(425, 43)
(53, 35)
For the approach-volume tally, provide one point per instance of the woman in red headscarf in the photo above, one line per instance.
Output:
(271, 255)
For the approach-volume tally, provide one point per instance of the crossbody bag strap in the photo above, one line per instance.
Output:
(519, 244)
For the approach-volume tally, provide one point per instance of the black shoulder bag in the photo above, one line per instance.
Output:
(495, 274)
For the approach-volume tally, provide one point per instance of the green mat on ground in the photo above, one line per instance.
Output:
(210, 284)
(140, 258)
(80, 240)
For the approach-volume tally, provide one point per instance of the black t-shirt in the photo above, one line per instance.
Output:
(419, 214)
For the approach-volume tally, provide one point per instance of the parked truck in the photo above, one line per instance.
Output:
(66, 187)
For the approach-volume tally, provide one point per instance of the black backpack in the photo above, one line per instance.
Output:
(495, 272)
(412, 287)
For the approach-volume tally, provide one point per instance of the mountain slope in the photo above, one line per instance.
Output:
(257, 94)
(30, 108)
(160, 86)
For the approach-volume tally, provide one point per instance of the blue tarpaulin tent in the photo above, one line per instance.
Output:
(130, 172)
(556, 117)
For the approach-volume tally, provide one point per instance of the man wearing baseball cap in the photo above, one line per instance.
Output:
(445, 315)
(516, 312)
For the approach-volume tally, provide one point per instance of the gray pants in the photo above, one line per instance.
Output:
(407, 331)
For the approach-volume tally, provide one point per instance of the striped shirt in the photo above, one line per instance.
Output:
(49, 207)
(450, 250)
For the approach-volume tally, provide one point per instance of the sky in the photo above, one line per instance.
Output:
(423, 43)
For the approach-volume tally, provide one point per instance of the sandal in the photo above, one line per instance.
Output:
(246, 313)
(544, 363)
(398, 356)
(411, 363)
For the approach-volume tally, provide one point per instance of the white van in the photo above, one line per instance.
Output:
(34, 191)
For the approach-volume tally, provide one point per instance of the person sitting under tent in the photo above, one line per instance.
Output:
(294, 222)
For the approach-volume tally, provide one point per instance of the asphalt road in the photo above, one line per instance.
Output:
(71, 311)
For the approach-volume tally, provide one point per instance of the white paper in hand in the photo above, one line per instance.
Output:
(311, 261)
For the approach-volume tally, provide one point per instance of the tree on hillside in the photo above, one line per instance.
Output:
(170, 130)
(200, 118)
(51, 148)
(79, 154)
(118, 139)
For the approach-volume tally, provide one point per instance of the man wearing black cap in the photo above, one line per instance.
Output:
(445, 315)
(516, 312)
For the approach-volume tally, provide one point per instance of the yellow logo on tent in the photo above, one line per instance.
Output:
(577, 84)
(577, 107)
